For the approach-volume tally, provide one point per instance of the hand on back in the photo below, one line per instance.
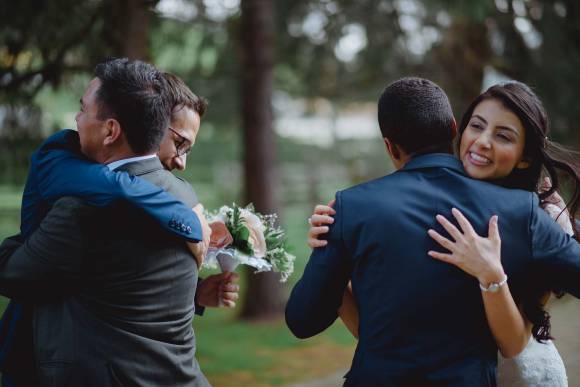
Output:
(319, 220)
(475, 255)
(199, 249)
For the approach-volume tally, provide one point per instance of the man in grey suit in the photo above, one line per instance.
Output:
(217, 290)
(114, 296)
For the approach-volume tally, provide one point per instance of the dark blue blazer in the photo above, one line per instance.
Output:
(422, 321)
(58, 169)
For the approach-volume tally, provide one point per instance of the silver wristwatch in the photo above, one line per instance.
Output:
(494, 286)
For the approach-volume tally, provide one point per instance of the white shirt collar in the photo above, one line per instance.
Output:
(116, 164)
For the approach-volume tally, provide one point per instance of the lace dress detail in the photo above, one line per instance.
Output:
(539, 365)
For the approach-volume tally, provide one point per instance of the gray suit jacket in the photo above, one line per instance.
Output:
(113, 292)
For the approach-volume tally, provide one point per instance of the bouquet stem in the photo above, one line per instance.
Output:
(227, 262)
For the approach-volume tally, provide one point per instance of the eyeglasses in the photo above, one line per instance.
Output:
(182, 144)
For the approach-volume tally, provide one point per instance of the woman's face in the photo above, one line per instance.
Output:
(492, 144)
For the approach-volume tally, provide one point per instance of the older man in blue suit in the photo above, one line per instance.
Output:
(422, 322)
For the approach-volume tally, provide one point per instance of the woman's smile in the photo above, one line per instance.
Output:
(492, 144)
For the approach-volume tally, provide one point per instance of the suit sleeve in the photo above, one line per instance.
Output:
(315, 299)
(50, 261)
(60, 171)
(555, 253)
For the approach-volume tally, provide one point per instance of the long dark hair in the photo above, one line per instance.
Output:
(547, 158)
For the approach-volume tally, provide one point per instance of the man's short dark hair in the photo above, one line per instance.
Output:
(136, 94)
(415, 114)
(182, 96)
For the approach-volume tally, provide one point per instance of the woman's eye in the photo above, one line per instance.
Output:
(504, 137)
(476, 126)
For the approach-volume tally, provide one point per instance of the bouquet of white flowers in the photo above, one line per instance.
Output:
(244, 236)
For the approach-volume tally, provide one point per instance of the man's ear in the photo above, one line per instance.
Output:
(112, 132)
(524, 164)
(453, 129)
(392, 148)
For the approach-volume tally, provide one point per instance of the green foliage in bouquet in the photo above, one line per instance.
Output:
(277, 247)
(237, 227)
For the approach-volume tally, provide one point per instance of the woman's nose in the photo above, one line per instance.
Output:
(484, 140)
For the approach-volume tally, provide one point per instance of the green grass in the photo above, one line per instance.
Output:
(265, 352)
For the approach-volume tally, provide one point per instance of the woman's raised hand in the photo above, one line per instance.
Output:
(475, 255)
(319, 220)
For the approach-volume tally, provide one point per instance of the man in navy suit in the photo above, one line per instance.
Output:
(421, 321)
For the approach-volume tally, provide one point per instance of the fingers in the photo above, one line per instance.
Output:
(314, 243)
(233, 277)
(493, 229)
(318, 220)
(451, 229)
(442, 257)
(201, 250)
(331, 203)
(463, 222)
(227, 304)
(229, 294)
(205, 228)
(446, 243)
(224, 278)
(323, 210)
(314, 232)
(230, 288)
(198, 250)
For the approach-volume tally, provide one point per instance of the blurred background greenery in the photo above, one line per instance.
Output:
(311, 71)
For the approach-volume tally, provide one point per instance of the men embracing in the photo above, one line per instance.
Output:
(110, 285)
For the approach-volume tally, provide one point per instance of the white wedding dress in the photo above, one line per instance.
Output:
(539, 365)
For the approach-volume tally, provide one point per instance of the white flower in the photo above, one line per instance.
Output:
(256, 228)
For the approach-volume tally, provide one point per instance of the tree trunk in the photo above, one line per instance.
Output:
(462, 55)
(127, 27)
(264, 297)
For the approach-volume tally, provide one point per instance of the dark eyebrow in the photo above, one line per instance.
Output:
(508, 128)
(479, 117)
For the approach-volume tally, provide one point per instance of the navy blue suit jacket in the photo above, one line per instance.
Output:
(422, 321)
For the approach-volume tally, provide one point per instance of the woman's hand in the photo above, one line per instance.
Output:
(481, 258)
(318, 221)
(475, 255)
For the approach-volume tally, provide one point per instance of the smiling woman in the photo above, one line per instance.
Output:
(492, 144)
(503, 139)
(505, 120)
